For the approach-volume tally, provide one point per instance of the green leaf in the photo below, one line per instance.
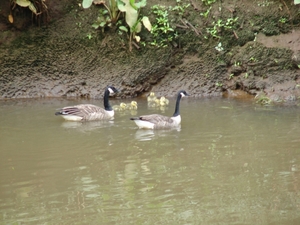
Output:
(96, 26)
(296, 2)
(132, 4)
(147, 23)
(87, 3)
(123, 28)
(138, 27)
(102, 24)
(121, 5)
(32, 8)
(23, 3)
(131, 15)
(141, 4)
(137, 38)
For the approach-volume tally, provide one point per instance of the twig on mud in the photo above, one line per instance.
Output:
(136, 45)
(231, 10)
(235, 34)
(181, 26)
(242, 24)
(187, 23)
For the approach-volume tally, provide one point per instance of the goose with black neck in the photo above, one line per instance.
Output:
(157, 121)
(89, 112)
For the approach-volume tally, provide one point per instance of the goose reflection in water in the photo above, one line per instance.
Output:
(147, 134)
(87, 126)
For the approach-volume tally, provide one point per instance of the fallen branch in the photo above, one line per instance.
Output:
(236, 36)
(191, 26)
(181, 26)
(135, 45)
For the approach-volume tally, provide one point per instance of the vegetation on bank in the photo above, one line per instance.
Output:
(167, 22)
(200, 27)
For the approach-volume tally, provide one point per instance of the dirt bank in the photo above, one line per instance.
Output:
(259, 55)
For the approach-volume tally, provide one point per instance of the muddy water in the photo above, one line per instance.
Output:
(230, 163)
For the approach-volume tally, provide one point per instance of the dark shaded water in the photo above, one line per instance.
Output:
(231, 163)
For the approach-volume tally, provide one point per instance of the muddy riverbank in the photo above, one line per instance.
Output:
(258, 56)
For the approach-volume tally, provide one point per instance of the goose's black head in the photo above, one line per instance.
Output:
(183, 93)
(112, 89)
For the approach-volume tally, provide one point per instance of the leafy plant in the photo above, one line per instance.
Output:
(283, 20)
(161, 30)
(219, 47)
(108, 16)
(180, 7)
(37, 7)
(220, 25)
(208, 2)
(205, 14)
(89, 36)
(111, 14)
(133, 20)
(262, 99)
(230, 23)
(219, 84)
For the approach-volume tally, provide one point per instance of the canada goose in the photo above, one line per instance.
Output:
(88, 111)
(151, 97)
(120, 107)
(156, 121)
(132, 106)
(163, 101)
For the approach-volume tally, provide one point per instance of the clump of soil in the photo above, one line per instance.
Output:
(259, 54)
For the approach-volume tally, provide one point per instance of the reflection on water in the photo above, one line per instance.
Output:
(86, 126)
(230, 163)
(147, 135)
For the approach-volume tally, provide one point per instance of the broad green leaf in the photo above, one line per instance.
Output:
(23, 3)
(32, 8)
(121, 5)
(123, 28)
(137, 38)
(138, 27)
(131, 15)
(132, 4)
(102, 24)
(147, 23)
(96, 26)
(141, 4)
(87, 3)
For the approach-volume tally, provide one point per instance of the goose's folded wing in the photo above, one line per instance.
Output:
(156, 119)
(81, 110)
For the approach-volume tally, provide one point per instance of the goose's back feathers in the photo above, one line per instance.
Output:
(85, 112)
(88, 111)
(156, 121)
